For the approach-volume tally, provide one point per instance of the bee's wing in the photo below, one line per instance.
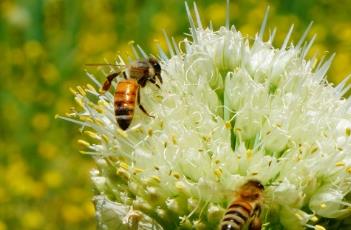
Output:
(104, 64)
(139, 69)
(111, 67)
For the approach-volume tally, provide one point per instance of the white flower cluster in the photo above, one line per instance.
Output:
(230, 109)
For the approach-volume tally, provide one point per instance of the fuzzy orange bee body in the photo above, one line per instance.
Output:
(127, 93)
(125, 98)
(245, 208)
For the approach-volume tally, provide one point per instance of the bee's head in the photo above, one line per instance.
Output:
(252, 190)
(154, 63)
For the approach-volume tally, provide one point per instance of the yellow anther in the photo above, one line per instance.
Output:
(149, 132)
(131, 42)
(104, 137)
(249, 153)
(83, 143)
(99, 122)
(92, 135)
(138, 170)
(72, 91)
(218, 172)
(124, 165)
(314, 218)
(81, 90)
(85, 118)
(91, 88)
(176, 175)
(102, 103)
(57, 116)
(99, 109)
(122, 133)
(314, 149)
(156, 178)
(340, 164)
(174, 139)
(228, 125)
(319, 227)
(298, 216)
(348, 170)
(323, 205)
(79, 101)
(123, 173)
(348, 131)
(179, 185)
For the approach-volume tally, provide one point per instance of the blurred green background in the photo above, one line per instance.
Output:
(44, 44)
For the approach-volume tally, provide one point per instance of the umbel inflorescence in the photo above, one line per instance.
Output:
(230, 109)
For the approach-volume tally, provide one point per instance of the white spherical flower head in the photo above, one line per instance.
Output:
(230, 109)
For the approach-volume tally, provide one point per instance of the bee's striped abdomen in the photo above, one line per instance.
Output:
(236, 216)
(125, 97)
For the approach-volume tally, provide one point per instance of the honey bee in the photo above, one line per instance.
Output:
(245, 209)
(136, 75)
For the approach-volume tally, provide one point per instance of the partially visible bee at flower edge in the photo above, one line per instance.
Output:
(136, 75)
(245, 209)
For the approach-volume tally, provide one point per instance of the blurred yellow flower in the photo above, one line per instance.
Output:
(40, 121)
(47, 150)
(2, 226)
(32, 219)
(52, 178)
(50, 74)
(33, 50)
(72, 213)
(163, 21)
(216, 13)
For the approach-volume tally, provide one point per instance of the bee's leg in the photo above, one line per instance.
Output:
(256, 223)
(109, 79)
(159, 78)
(154, 82)
(124, 75)
(142, 81)
(141, 106)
